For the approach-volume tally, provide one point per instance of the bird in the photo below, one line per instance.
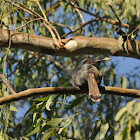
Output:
(86, 75)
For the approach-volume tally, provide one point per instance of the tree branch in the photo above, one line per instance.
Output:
(109, 20)
(76, 46)
(7, 84)
(67, 90)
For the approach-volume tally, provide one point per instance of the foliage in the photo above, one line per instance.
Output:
(57, 116)
(128, 119)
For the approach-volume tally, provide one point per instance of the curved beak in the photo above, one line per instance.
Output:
(98, 59)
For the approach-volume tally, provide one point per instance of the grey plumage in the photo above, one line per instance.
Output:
(86, 75)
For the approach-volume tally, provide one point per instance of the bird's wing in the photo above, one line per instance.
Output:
(94, 92)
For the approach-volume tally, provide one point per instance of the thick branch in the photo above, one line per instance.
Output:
(67, 90)
(76, 46)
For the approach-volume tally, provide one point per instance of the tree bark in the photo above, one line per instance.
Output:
(67, 90)
(76, 46)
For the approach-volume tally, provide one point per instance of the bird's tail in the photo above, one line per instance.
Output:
(94, 92)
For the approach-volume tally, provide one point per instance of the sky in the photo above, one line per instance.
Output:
(125, 64)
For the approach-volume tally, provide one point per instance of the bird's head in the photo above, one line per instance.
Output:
(93, 61)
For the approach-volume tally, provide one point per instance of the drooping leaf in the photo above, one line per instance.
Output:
(120, 42)
(130, 104)
(76, 102)
(32, 108)
(120, 113)
(103, 128)
(12, 108)
(54, 122)
(42, 99)
(48, 134)
(67, 124)
(110, 137)
(34, 131)
(133, 36)
(95, 130)
(126, 46)
(50, 101)
(124, 82)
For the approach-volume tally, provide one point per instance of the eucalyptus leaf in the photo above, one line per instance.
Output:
(34, 131)
(50, 101)
(96, 129)
(31, 109)
(104, 128)
(120, 42)
(54, 122)
(48, 134)
(126, 46)
(120, 113)
(42, 99)
(12, 108)
(66, 125)
(76, 102)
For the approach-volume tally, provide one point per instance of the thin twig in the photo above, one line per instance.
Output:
(19, 66)
(114, 13)
(60, 25)
(23, 19)
(81, 26)
(7, 84)
(79, 13)
(102, 18)
(26, 23)
(7, 50)
(52, 34)
(31, 12)
(51, 27)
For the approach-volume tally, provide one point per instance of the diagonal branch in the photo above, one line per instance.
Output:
(7, 84)
(68, 90)
(109, 20)
(115, 13)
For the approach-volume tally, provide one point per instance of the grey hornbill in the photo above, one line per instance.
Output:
(86, 75)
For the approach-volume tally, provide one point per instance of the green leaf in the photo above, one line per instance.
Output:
(54, 122)
(124, 82)
(120, 42)
(68, 123)
(129, 107)
(130, 104)
(104, 128)
(137, 135)
(137, 108)
(32, 108)
(37, 129)
(76, 102)
(126, 133)
(110, 137)
(65, 84)
(95, 130)
(50, 101)
(120, 113)
(42, 99)
(12, 108)
(109, 2)
(48, 134)
(126, 47)
(24, 138)
(133, 36)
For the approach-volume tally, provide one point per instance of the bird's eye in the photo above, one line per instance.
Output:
(88, 60)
